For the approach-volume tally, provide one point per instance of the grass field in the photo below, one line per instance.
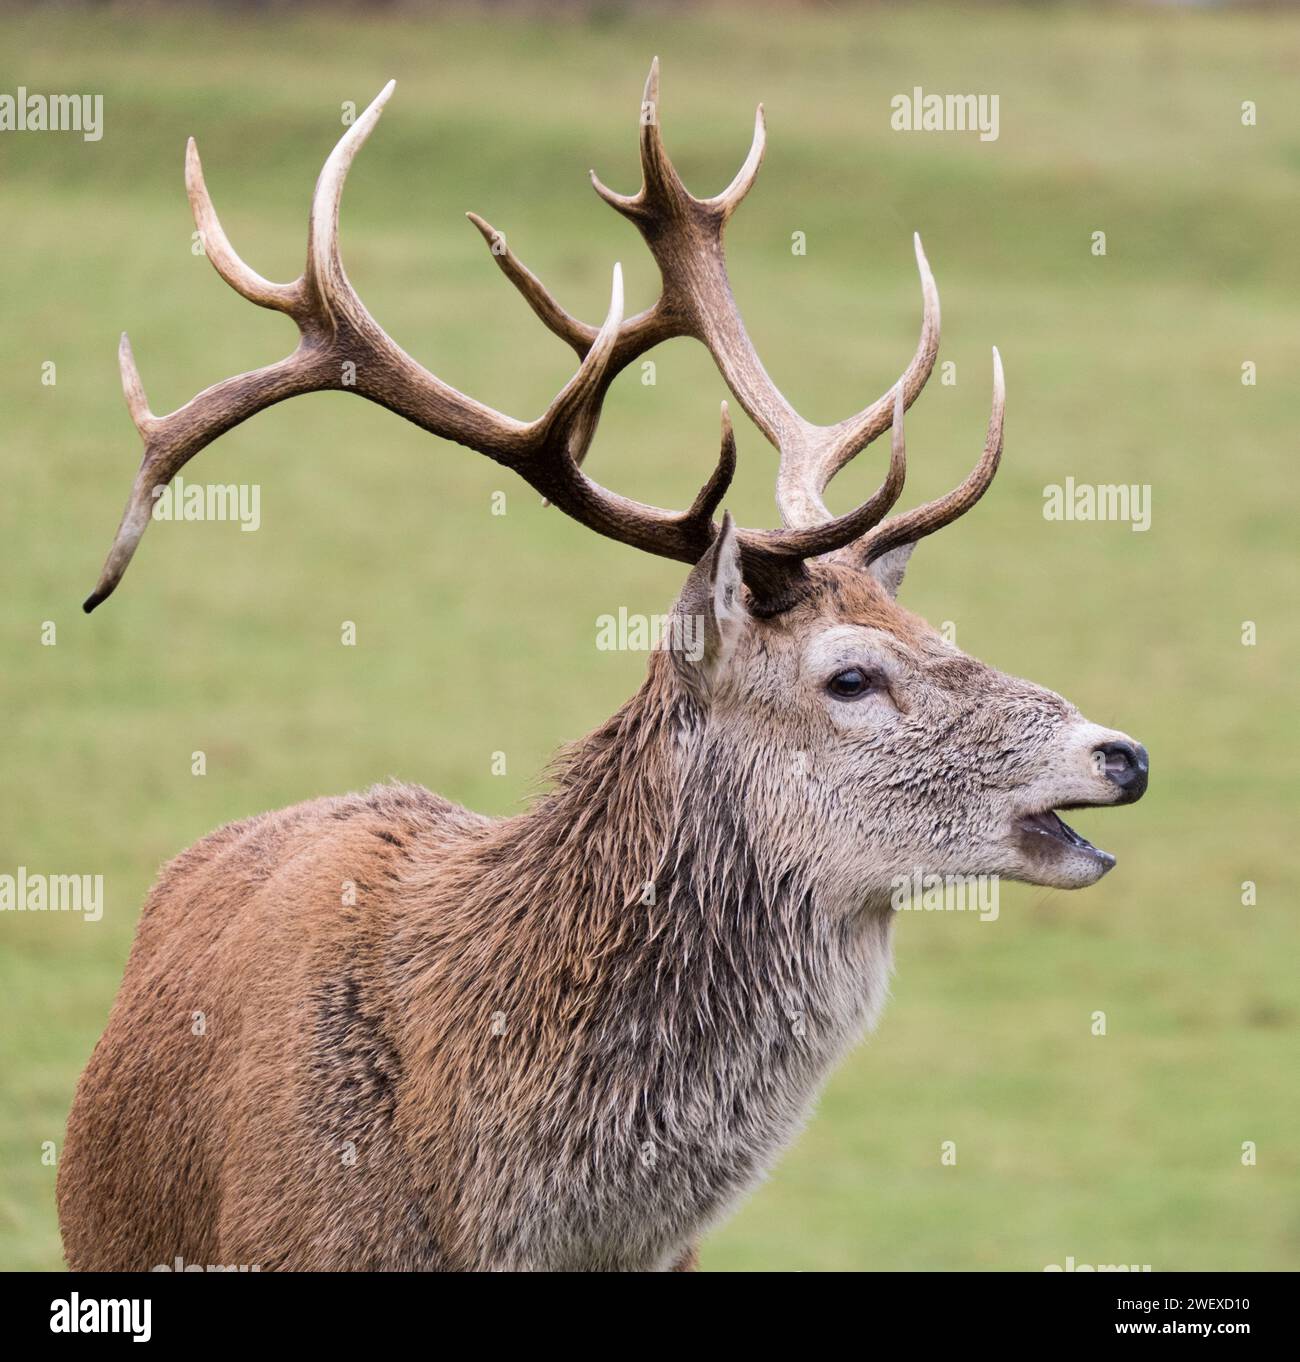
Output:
(476, 633)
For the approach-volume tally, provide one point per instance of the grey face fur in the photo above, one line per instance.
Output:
(942, 765)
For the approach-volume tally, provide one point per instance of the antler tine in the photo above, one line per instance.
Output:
(324, 270)
(710, 495)
(683, 536)
(934, 515)
(171, 441)
(852, 435)
(133, 389)
(807, 470)
(659, 175)
(563, 433)
(730, 199)
(577, 395)
(324, 274)
(830, 536)
(636, 335)
(549, 312)
(660, 185)
(287, 298)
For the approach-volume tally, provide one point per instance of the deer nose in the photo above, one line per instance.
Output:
(1126, 764)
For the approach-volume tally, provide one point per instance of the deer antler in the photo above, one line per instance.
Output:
(934, 515)
(341, 347)
(684, 235)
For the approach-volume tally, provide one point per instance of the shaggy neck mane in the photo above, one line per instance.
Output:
(629, 909)
(642, 849)
(647, 986)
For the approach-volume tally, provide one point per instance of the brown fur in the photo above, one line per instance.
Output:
(503, 1050)
(383, 1032)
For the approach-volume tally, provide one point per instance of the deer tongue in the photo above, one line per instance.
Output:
(1050, 824)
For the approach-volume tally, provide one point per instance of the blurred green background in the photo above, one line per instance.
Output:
(476, 633)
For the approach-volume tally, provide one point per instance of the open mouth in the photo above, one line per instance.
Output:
(1047, 832)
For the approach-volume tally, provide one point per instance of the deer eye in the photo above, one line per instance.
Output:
(851, 684)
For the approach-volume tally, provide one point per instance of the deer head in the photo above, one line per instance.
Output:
(867, 745)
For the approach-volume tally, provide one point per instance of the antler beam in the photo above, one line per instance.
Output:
(684, 235)
(342, 348)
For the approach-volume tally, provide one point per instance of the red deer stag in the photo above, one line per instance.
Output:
(566, 1039)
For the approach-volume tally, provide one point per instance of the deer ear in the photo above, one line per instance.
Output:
(710, 614)
(889, 568)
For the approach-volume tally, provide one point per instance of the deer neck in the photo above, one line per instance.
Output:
(652, 831)
(712, 989)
